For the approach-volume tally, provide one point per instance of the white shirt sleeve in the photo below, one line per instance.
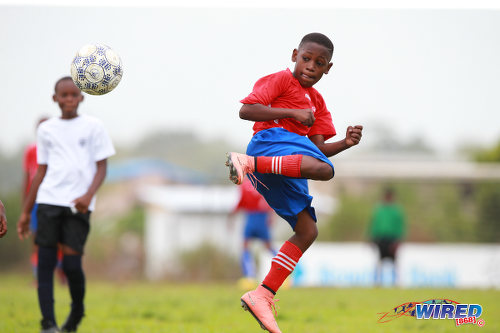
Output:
(102, 145)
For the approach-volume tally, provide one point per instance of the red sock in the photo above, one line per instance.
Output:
(282, 265)
(288, 165)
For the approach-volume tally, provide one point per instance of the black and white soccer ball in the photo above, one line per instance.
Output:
(96, 69)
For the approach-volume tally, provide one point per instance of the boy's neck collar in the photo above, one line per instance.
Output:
(63, 118)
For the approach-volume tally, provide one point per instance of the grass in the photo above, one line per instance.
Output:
(166, 307)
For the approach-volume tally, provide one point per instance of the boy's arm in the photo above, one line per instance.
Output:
(3, 220)
(259, 112)
(24, 219)
(352, 138)
(82, 203)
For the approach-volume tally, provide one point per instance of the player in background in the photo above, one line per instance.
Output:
(387, 229)
(258, 219)
(288, 147)
(3, 220)
(30, 166)
(72, 152)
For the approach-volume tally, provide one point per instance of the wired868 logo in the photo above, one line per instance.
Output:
(437, 309)
(462, 313)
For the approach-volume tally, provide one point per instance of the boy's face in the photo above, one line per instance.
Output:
(311, 60)
(68, 96)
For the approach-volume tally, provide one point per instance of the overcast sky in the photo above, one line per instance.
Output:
(425, 72)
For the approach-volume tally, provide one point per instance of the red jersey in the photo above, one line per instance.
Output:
(250, 199)
(30, 164)
(283, 90)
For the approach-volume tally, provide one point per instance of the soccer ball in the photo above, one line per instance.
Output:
(96, 69)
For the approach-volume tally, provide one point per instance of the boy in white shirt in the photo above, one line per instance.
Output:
(72, 152)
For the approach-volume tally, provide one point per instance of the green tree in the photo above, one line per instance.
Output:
(488, 199)
(488, 202)
(489, 155)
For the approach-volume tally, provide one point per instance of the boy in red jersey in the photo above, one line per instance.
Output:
(288, 147)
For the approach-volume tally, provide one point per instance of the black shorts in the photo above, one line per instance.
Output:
(57, 224)
(387, 248)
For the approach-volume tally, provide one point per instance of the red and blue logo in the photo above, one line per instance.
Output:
(437, 309)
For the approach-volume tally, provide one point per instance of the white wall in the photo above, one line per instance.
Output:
(418, 265)
(182, 217)
(450, 265)
(168, 234)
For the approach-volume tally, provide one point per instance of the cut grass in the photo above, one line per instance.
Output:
(183, 308)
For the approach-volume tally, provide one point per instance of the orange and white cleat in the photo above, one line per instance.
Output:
(239, 166)
(260, 304)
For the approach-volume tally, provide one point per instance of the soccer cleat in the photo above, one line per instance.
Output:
(72, 322)
(48, 326)
(239, 166)
(260, 303)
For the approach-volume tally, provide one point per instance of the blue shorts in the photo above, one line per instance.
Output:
(256, 226)
(34, 219)
(287, 196)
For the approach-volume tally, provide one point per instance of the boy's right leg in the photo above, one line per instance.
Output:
(48, 217)
(47, 260)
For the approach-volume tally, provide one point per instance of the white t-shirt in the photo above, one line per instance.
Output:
(70, 148)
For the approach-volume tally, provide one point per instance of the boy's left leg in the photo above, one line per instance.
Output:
(72, 267)
(76, 229)
(296, 166)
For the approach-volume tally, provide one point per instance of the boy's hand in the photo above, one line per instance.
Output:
(353, 135)
(23, 226)
(304, 116)
(82, 203)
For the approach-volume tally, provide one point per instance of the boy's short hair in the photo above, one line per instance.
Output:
(60, 80)
(318, 38)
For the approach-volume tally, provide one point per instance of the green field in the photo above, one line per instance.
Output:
(166, 307)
